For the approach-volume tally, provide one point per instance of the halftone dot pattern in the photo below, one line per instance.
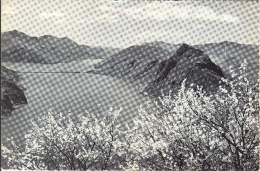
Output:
(58, 77)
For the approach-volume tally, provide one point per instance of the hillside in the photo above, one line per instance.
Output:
(12, 95)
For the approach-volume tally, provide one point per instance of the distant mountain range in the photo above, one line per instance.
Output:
(12, 94)
(160, 65)
(156, 65)
(19, 47)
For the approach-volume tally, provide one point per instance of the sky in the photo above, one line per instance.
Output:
(122, 23)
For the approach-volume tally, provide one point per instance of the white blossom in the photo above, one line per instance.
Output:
(196, 130)
(57, 141)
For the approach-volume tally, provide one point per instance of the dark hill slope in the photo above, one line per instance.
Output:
(12, 94)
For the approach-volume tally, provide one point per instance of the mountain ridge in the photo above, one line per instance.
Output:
(47, 49)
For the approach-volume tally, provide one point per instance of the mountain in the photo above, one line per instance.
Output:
(134, 63)
(159, 69)
(19, 47)
(159, 65)
(225, 54)
(12, 95)
(187, 63)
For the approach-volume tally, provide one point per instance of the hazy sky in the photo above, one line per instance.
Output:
(121, 23)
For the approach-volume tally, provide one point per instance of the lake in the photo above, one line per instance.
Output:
(70, 92)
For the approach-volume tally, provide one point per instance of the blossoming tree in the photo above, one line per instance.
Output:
(58, 142)
(196, 130)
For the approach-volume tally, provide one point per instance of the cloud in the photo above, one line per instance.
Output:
(169, 11)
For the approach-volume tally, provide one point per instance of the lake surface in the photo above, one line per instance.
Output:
(75, 66)
(70, 92)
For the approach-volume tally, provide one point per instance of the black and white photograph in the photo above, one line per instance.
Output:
(131, 85)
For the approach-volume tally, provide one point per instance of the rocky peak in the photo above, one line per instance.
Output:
(187, 63)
